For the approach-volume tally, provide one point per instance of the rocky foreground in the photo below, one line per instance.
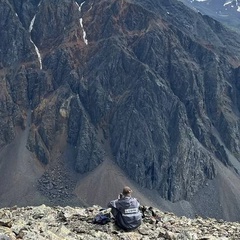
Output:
(55, 223)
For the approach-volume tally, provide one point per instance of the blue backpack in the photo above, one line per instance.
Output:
(102, 218)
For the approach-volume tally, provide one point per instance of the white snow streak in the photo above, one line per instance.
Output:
(36, 48)
(226, 3)
(80, 8)
(84, 33)
(38, 53)
(233, 4)
(90, 7)
(40, 3)
(31, 24)
(81, 23)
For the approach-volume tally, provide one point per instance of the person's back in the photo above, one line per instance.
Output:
(126, 210)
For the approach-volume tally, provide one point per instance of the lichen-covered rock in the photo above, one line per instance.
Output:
(7, 234)
(43, 222)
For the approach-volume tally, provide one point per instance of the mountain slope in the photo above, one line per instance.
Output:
(225, 11)
(152, 86)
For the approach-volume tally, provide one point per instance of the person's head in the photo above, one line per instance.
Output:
(126, 191)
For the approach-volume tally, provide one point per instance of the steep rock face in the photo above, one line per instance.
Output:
(7, 115)
(25, 10)
(155, 81)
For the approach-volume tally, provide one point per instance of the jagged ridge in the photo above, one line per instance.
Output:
(43, 222)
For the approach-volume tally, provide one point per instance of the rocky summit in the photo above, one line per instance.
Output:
(98, 94)
(43, 222)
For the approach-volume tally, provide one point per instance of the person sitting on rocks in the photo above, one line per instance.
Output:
(126, 211)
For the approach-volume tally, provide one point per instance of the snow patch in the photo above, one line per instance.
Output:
(40, 3)
(226, 3)
(84, 33)
(36, 48)
(81, 23)
(80, 7)
(31, 24)
(234, 3)
(38, 53)
(238, 9)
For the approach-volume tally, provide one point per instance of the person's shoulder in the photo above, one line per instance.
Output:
(134, 199)
(113, 203)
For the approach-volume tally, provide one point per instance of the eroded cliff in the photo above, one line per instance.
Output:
(153, 86)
